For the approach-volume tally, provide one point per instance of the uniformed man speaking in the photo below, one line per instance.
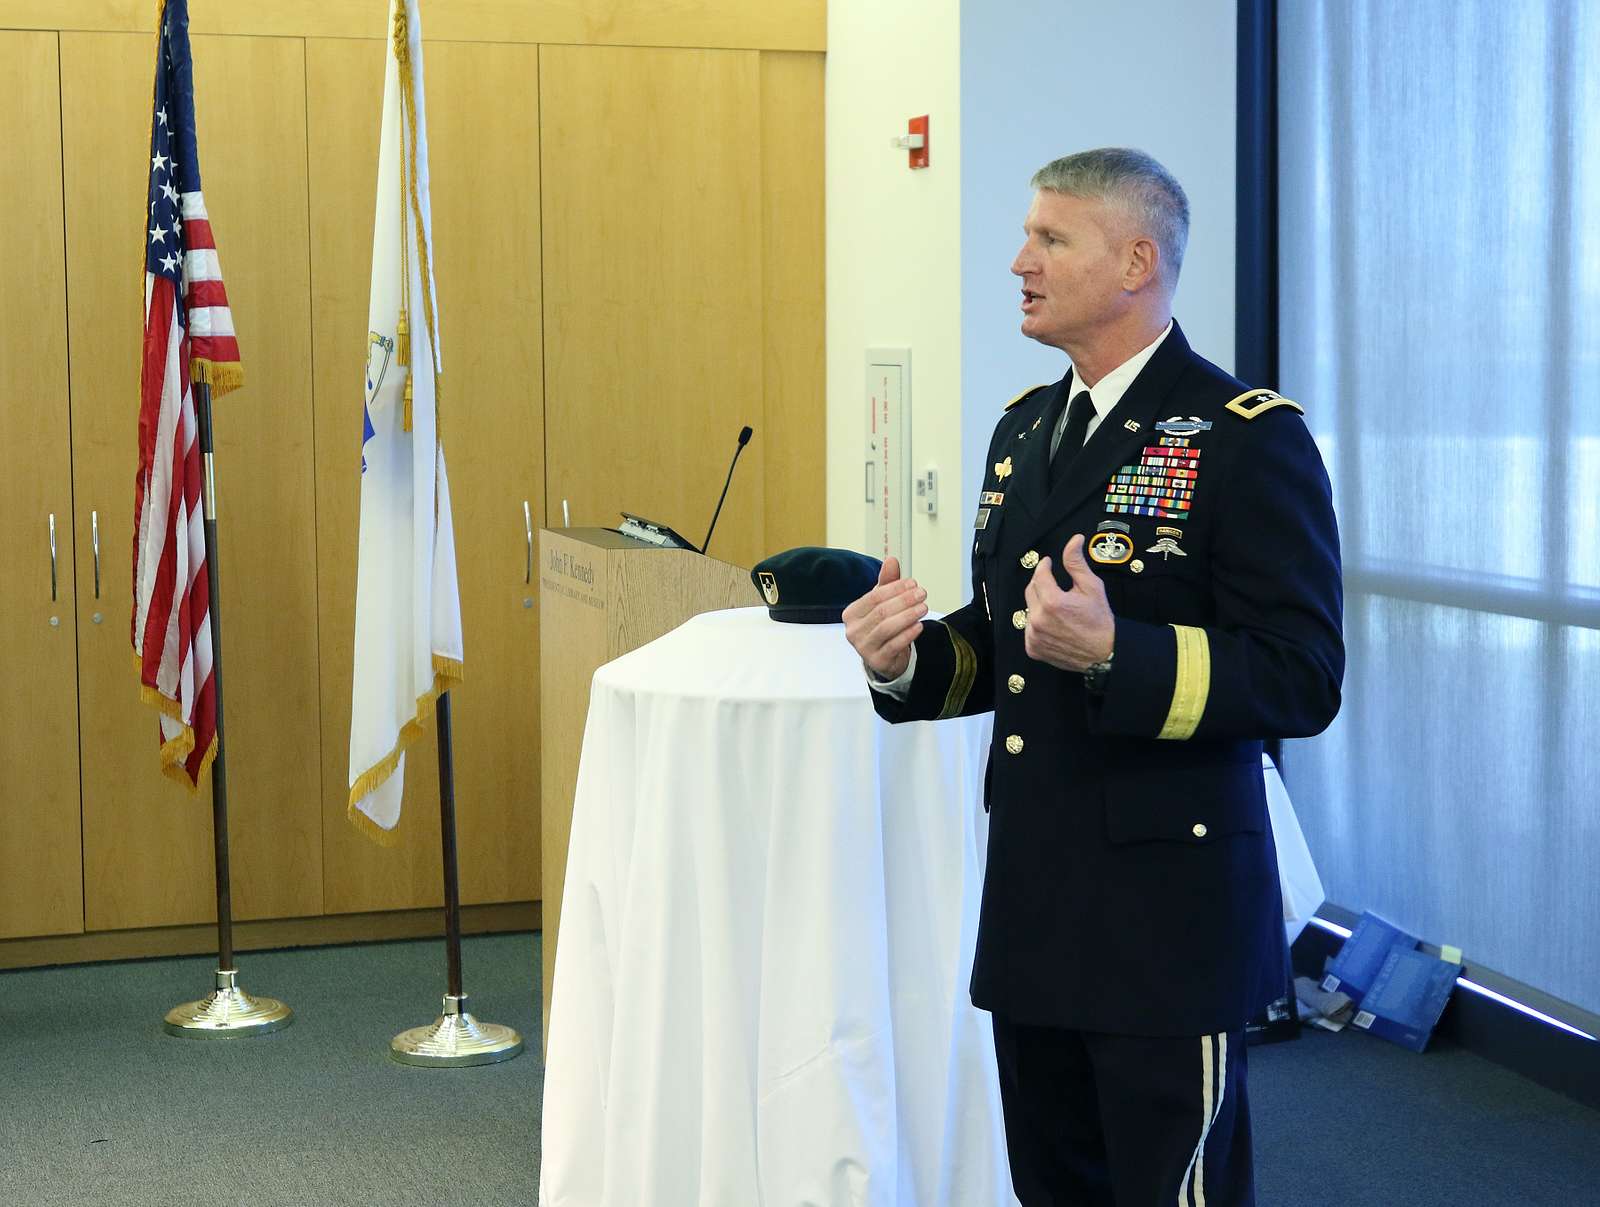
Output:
(1156, 590)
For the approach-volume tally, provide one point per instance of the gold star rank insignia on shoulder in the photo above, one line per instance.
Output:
(1253, 403)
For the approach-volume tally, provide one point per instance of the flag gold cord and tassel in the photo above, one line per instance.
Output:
(412, 203)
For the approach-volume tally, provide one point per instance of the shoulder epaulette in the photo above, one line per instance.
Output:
(1253, 403)
(1026, 394)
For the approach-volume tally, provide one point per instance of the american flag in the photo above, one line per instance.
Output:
(188, 337)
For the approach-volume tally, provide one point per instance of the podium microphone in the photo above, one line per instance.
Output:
(744, 439)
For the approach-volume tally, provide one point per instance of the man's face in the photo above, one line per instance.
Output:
(1072, 266)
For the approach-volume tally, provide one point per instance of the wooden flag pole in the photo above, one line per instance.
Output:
(228, 1011)
(455, 1038)
(447, 841)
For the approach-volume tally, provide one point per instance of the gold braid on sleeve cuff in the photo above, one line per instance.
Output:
(961, 678)
(1192, 684)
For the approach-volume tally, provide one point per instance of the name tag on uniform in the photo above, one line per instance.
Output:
(982, 521)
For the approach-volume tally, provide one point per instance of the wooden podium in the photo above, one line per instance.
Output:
(601, 594)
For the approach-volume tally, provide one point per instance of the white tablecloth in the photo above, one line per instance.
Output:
(766, 936)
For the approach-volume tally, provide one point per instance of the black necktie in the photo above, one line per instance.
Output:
(1078, 415)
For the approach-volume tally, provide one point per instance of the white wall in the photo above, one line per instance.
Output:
(894, 278)
(922, 258)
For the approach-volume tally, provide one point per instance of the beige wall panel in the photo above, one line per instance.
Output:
(147, 846)
(41, 867)
(772, 24)
(344, 90)
(483, 135)
(653, 288)
(794, 369)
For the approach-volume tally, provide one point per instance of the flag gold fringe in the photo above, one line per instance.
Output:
(175, 752)
(164, 705)
(447, 673)
(372, 830)
(172, 766)
(221, 376)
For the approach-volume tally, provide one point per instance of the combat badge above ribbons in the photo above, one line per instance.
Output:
(1002, 469)
(1179, 426)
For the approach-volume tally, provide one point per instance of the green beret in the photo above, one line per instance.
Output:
(812, 585)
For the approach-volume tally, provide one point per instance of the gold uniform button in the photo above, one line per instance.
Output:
(1199, 829)
(1137, 565)
(1016, 683)
(1030, 559)
(1019, 620)
(1014, 744)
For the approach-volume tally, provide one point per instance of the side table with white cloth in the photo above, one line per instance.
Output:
(768, 920)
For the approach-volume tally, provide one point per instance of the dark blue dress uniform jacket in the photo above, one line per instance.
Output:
(1132, 883)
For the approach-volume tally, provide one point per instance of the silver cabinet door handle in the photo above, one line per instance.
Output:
(527, 523)
(52, 557)
(872, 495)
(94, 536)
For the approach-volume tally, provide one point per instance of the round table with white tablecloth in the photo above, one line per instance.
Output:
(766, 936)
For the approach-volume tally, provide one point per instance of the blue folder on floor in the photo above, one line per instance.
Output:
(1405, 1002)
(1400, 991)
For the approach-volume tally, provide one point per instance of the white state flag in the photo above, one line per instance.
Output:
(408, 610)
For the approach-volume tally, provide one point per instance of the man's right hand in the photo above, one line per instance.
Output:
(883, 623)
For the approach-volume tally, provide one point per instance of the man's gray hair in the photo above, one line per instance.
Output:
(1149, 193)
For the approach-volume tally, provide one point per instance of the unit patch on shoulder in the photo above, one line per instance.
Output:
(1253, 403)
(1029, 392)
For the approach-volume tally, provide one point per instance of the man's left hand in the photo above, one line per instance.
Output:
(1068, 629)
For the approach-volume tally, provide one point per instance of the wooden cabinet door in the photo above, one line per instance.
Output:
(41, 870)
(484, 174)
(652, 183)
(147, 846)
(486, 225)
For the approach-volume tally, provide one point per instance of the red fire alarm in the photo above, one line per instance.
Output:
(917, 148)
(914, 141)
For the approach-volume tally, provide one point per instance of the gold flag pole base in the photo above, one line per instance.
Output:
(455, 1039)
(229, 1013)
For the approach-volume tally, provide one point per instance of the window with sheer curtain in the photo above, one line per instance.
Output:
(1439, 235)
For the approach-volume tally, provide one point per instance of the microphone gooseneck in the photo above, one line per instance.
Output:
(744, 439)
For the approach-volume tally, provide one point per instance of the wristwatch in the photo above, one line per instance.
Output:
(1096, 674)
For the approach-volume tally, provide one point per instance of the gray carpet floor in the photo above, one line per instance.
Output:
(99, 1106)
